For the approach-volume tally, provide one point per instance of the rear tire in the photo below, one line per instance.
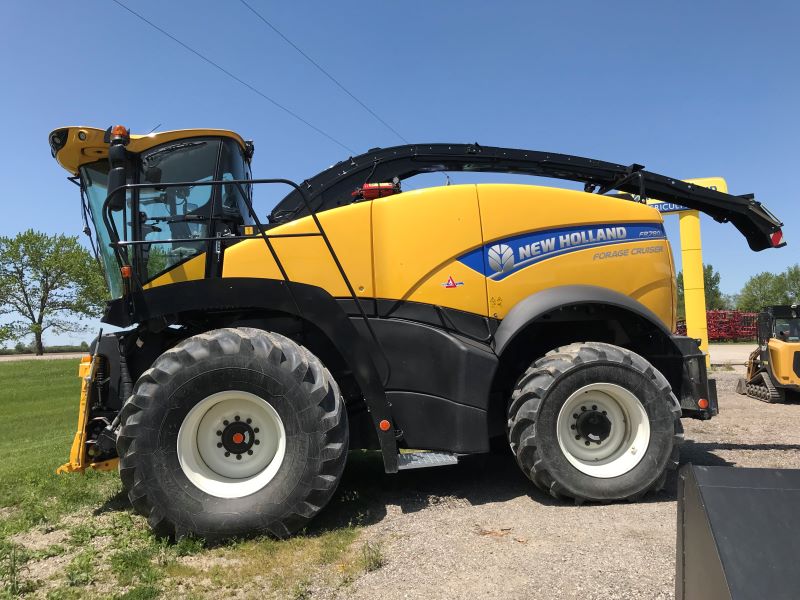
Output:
(593, 421)
(233, 433)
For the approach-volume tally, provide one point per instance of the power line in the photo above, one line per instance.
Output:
(235, 78)
(322, 70)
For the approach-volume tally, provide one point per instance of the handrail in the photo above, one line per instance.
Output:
(116, 243)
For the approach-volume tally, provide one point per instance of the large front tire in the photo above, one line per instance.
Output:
(233, 433)
(594, 421)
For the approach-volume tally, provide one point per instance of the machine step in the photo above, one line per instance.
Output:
(422, 460)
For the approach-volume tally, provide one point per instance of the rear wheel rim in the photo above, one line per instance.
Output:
(603, 430)
(231, 444)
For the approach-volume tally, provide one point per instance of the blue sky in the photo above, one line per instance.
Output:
(689, 89)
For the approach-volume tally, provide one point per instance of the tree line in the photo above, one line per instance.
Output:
(763, 289)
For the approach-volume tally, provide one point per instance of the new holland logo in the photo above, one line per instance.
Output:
(501, 258)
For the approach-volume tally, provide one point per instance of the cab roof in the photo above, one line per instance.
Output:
(73, 147)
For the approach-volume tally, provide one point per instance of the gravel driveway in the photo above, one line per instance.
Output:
(481, 530)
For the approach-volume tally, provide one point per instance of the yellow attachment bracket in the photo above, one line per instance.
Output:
(78, 461)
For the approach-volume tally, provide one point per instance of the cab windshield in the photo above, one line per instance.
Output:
(172, 218)
(175, 213)
(787, 330)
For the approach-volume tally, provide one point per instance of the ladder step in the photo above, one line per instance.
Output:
(422, 460)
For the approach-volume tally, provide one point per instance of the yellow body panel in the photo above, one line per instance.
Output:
(781, 358)
(306, 259)
(635, 274)
(418, 237)
(77, 151)
(642, 270)
(194, 268)
(508, 209)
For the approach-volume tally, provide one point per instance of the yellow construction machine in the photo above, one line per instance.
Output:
(773, 368)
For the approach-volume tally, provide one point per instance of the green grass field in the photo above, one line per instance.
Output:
(75, 536)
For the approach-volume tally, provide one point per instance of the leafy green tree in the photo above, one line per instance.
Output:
(47, 282)
(762, 290)
(792, 275)
(715, 299)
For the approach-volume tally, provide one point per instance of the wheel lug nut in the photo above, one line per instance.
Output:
(237, 418)
(594, 406)
(227, 454)
(225, 422)
(219, 444)
(219, 433)
(583, 408)
(238, 457)
(256, 442)
(575, 416)
(255, 430)
(572, 426)
(577, 437)
(249, 420)
(250, 452)
(587, 442)
(604, 412)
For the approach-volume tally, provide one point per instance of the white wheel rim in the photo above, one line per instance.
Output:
(598, 406)
(218, 425)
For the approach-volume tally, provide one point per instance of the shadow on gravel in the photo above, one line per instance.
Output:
(365, 490)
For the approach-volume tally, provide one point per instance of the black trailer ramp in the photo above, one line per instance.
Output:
(738, 533)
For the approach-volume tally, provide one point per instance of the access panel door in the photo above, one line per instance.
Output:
(418, 239)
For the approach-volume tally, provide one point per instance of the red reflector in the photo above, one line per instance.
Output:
(126, 272)
(702, 403)
(777, 239)
(384, 425)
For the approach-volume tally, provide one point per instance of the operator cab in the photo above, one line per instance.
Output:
(160, 226)
(787, 330)
(779, 322)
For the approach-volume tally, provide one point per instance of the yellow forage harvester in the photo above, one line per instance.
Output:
(252, 353)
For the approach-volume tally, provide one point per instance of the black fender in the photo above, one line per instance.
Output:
(535, 306)
(678, 358)
(310, 303)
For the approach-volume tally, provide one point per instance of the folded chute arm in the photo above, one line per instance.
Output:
(333, 187)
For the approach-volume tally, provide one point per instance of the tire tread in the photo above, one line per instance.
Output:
(305, 367)
(534, 385)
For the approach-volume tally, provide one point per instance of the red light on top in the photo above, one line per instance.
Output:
(119, 131)
(777, 239)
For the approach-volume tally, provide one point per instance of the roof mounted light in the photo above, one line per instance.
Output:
(118, 134)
